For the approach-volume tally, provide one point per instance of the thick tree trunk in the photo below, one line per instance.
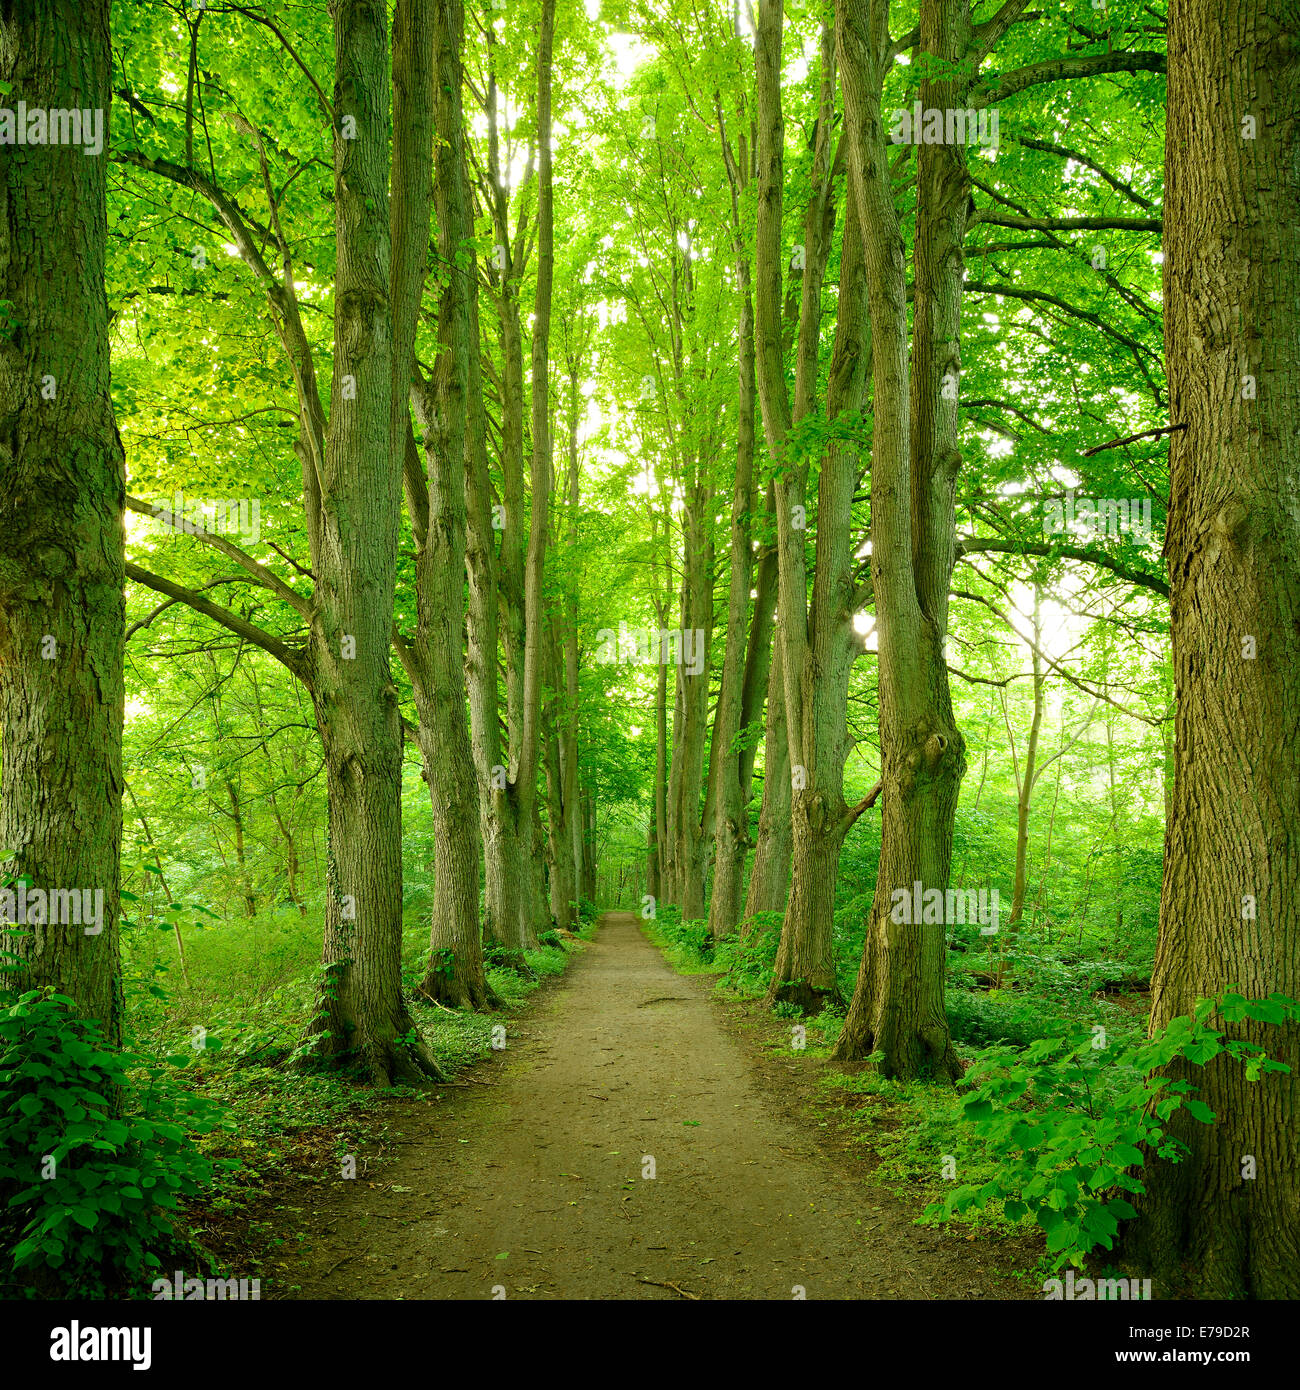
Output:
(805, 968)
(455, 973)
(1225, 1221)
(817, 643)
(897, 1010)
(507, 884)
(727, 801)
(62, 490)
(361, 1013)
(496, 817)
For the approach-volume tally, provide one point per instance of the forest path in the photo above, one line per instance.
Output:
(536, 1184)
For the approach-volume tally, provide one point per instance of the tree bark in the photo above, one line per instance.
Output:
(1225, 1221)
(897, 1009)
(817, 642)
(454, 977)
(361, 1013)
(62, 490)
(1029, 778)
(507, 883)
(769, 880)
(533, 913)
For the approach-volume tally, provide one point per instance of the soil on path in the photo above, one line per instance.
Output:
(627, 1150)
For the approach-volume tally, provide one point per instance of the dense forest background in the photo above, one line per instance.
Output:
(562, 457)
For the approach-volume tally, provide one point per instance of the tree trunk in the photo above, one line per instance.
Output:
(897, 1009)
(533, 914)
(817, 643)
(454, 976)
(361, 1013)
(588, 803)
(559, 832)
(769, 880)
(62, 490)
(505, 855)
(1225, 1221)
(727, 782)
(1027, 780)
(691, 841)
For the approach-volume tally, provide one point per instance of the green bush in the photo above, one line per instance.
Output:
(750, 957)
(986, 1020)
(691, 940)
(1066, 1120)
(92, 1162)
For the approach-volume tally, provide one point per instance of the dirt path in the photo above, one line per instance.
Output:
(536, 1185)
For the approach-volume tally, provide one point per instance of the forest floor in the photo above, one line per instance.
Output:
(529, 1181)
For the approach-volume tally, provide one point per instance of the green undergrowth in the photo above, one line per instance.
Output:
(216, 1118)
(1064, 1100)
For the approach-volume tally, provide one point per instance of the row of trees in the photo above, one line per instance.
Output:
(386, 426)
(807, 380)
(912, 217)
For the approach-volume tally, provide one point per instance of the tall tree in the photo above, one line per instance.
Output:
(62, 484)
(533, 910)
(355, 553)
(1225, 1221)
(817, 640)
(898, 1002)
(436, 491)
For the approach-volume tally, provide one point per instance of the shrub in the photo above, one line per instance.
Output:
(92, 1167)
(750, 958)
(1067, 1121)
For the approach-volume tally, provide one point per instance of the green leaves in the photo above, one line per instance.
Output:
(90, 1185)
(1068, 1125)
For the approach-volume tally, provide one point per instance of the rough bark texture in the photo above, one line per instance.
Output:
(897, 1009)
(805, 965)
(727, 800)
(817, 640)
(503, 847)
(1232, 249)
(62, 485)
(455, 972)
(362, 1015)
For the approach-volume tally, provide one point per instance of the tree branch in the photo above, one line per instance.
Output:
(1087, 555)
(1065, 70)
(1068, 224)
(287, 656)
(298, 602)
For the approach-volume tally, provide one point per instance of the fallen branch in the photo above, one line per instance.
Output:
(685, 1293)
